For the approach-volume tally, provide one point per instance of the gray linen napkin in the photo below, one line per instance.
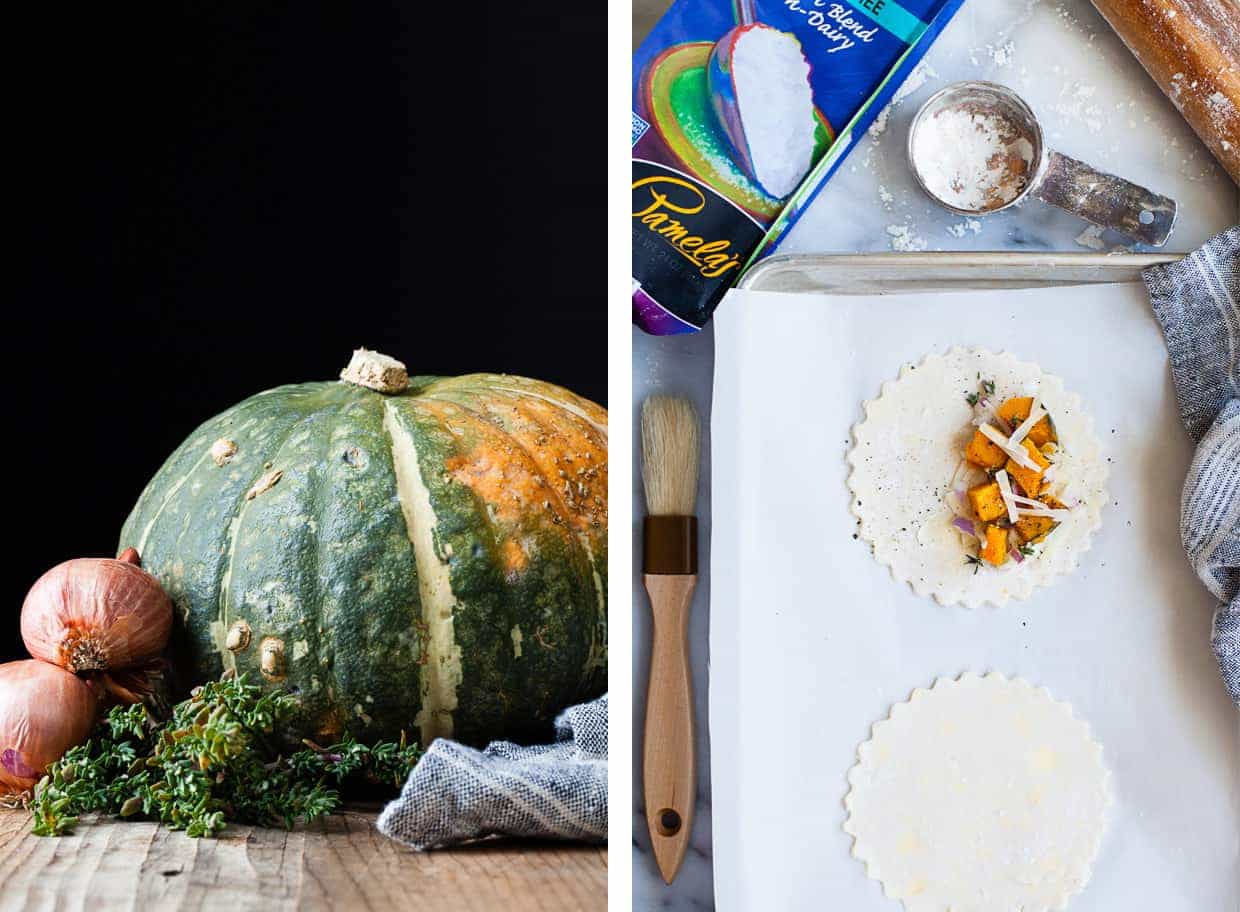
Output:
(1197, 301)
(551, 791)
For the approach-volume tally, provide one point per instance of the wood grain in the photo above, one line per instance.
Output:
(669, 767)
(1191, 48)
(338, 863)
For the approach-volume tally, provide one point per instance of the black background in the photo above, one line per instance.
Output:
(213, 199)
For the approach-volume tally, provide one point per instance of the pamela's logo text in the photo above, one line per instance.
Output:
(671, 197)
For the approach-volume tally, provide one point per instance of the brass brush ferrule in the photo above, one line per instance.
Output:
(670, 545)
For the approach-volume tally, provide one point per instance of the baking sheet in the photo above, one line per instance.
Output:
(812, 641)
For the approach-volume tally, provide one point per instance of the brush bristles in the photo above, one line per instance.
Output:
(670, 455)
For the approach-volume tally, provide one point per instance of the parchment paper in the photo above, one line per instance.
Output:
(812, 641)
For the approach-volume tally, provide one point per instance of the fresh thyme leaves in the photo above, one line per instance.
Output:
(1027, 550)
(974, 560)
(214, 761)
(386, 763)
(984, 387)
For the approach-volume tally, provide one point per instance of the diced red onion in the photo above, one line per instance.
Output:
(966, 526)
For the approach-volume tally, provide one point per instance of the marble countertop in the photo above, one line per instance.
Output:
(1096, 104)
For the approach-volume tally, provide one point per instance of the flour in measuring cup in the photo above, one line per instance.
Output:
(972, 160)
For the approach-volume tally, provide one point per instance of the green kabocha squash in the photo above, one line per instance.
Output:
(425, 554)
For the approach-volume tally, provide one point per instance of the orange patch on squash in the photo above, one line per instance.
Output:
(500, 480)
(495, 467)
(567, 455)
(514, 557)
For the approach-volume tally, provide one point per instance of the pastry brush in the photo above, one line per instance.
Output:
(669, 565)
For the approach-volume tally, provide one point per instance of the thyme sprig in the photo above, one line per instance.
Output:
(213, 762)
(984, 388)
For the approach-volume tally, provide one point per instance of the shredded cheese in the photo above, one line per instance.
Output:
(1018, 505)
(1036, 414)
(1018, 454)
(1059, 515)
(1027, 506)
(1021, 500)
(1009, 498)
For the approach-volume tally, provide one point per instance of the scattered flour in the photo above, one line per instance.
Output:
(1074, 102)
(972, 160)
(1091, 237)
(961, 228)
(904, 239)
(879, 127)
(1001, 55)
(1222, 112)
(915, 81)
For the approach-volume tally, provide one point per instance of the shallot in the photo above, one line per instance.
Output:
(97, 614)
(44, 711)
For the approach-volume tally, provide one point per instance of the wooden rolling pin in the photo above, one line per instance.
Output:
(1192, 50)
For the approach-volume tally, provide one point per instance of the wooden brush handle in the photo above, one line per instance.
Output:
(669, 765)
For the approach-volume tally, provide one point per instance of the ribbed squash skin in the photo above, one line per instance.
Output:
(321, 566)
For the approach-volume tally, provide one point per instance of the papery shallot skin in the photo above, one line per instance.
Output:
(94, 614)
(44, 711)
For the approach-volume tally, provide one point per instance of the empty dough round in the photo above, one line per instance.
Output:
(979, 794)
(907, 454)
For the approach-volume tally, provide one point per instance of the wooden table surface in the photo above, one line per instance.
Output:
(341, 862)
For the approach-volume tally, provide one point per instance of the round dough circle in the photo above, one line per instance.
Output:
(981, 793)
(909, 447)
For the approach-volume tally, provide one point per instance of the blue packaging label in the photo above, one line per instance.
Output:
(741, 111)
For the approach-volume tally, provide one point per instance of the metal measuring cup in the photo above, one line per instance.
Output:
(1071, 185)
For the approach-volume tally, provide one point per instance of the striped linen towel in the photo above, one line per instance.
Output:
(551, 791)
(1197, 301)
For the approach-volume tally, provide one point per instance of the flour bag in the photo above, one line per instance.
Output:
(741, 111)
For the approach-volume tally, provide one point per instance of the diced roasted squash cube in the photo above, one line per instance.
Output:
(1030, 481)
(994, 548)
(1043, 431)
(987, 501)
(1016, 410)
(1032, 529)
(983, 453)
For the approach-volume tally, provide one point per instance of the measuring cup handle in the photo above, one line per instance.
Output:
(1107, 200)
